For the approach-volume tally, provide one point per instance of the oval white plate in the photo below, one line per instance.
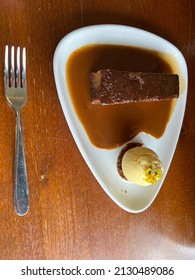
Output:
(102, 163)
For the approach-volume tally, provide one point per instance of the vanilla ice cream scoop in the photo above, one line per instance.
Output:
(141, 166)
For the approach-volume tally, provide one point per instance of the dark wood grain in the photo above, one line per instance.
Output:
(70, 215)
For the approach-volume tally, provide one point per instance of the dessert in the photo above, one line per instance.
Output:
(109, 87)
(109, 127)
(139, 165)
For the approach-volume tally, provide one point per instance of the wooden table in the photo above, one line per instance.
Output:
(70, 216)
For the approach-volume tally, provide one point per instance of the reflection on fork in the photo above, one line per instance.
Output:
(16, 96)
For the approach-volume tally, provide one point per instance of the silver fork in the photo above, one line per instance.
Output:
(16, 95)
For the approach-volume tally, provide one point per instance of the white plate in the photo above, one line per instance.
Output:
(130, 197)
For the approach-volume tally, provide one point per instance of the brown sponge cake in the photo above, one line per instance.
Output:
(109, 87)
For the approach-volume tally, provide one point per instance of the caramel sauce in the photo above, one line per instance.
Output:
(111, 126)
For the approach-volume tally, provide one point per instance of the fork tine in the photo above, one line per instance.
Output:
(12, 68)
(18, 79)
(24, 67)
(6, 70)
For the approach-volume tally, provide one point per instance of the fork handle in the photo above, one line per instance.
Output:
(21, 193)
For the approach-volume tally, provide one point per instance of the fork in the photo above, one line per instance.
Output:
(16, 95)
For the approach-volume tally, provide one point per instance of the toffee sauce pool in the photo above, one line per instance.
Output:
(111, 126)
